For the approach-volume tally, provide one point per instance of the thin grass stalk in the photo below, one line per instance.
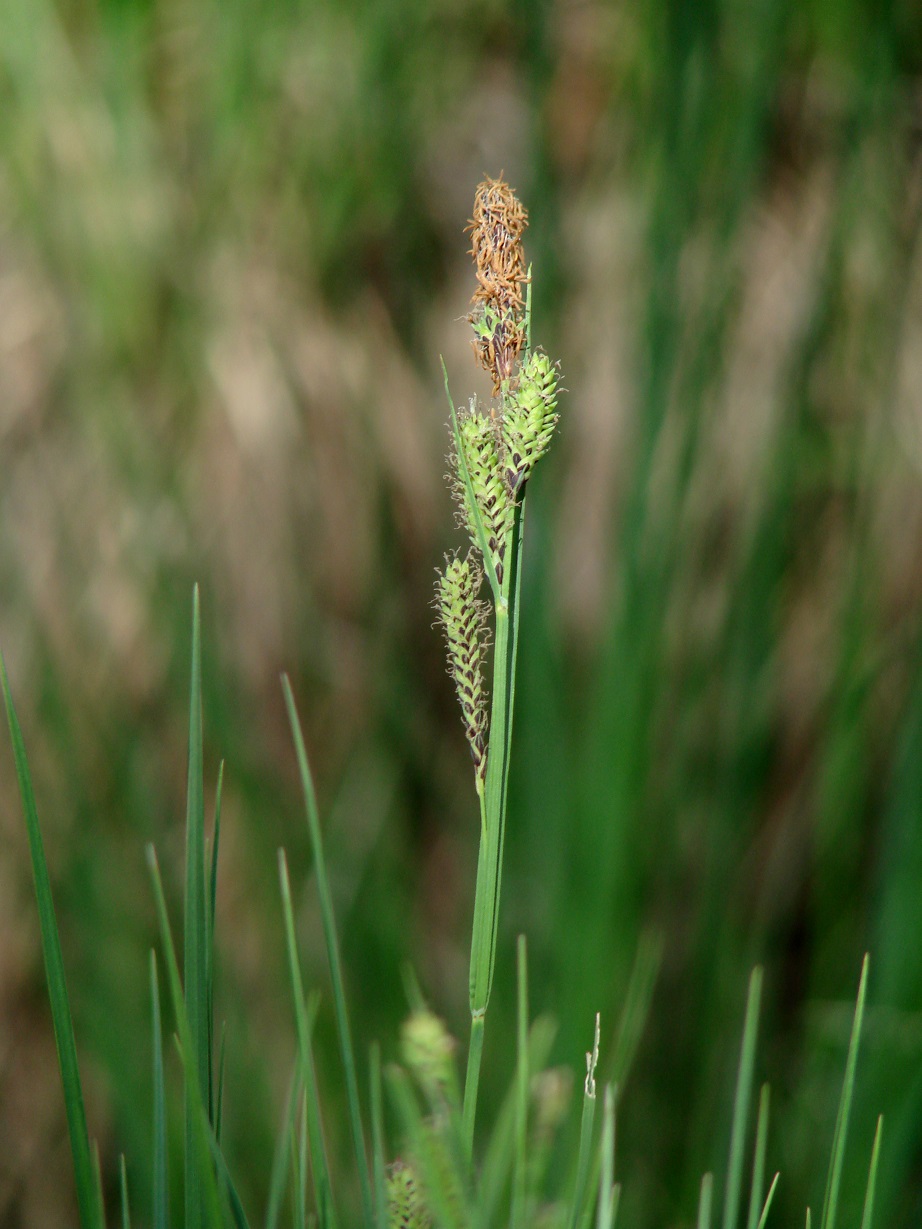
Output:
(198, 1158)
(97, 1180)
(584, 1159)
(758, 1162)
(329, 930)
(304, 1121)
(868, 1211)
(89, 1206)
(768, 1201)
(123, 1192)
(489, 862)
(741, 1101)
(195, 934)
(377, 1137)
(278, 1174)
(607, 1162)
(323, 1190)
(834, 1178)
(161, 1180)
(705, 1202)
(500, 1154)
(521, 1100)
(213, 1097)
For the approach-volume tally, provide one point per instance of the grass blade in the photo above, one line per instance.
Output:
(705, 1200)
(585, 1131)
(834, 1179)
(377, 1139)
(329, 930)
(195, 938)
(161, 1189)
(741, 1101)
(323, 1190)
(123, 1192)
(88, 1204)
(214, 1096)
(279, 1170)
(521, 1100)
(198, 1156)
(868, 1213)
(758, 1164)
(500, 1153)
(607, 1163)
(768, 1201)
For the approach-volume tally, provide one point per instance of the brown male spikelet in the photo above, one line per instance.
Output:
(498, 314)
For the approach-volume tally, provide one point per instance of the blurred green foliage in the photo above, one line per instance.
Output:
(230, 254)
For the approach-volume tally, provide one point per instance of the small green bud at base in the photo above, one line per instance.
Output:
(428, 1050)
(405, 1206)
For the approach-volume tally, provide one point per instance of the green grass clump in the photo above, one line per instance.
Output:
(422, 1156)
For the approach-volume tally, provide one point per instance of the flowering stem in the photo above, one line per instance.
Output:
(490, 859)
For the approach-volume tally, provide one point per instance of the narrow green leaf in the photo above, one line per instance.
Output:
(607, 1162)
(97, 1182)
(218, 1115)
(758, 1163)
(323, 1191)
(213, 1097)
(198, 1154)
(279, 1170)
(768, 1201)
(161, 1190)
(705, 1201)
(88, 1205)
(500, 1154)
(378, 1158)
(325, 1214)
(834, 1179)
(521, 1103)
(332, 944)
(868, 1213)
(587, 1121)
(195, 946)
(228, 1188)
(741, 1101)
(123, 1191)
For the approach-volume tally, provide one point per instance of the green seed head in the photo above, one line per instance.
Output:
(481, 452)
(405, 1206)
(529, 419)
(428, 1049)
(463, 617)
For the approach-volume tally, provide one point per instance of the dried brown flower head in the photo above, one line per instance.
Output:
(498, 314)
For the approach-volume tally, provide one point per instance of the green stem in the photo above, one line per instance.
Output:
(492, 840)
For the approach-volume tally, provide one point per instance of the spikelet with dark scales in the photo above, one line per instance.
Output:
(498, 311)
(481, 453)
(463, 618)
(529, 419)
(405, 1206)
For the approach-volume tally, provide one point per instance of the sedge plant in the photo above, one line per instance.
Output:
(494, 450)
(416, 1166)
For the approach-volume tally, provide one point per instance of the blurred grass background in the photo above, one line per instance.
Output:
(230, 256)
